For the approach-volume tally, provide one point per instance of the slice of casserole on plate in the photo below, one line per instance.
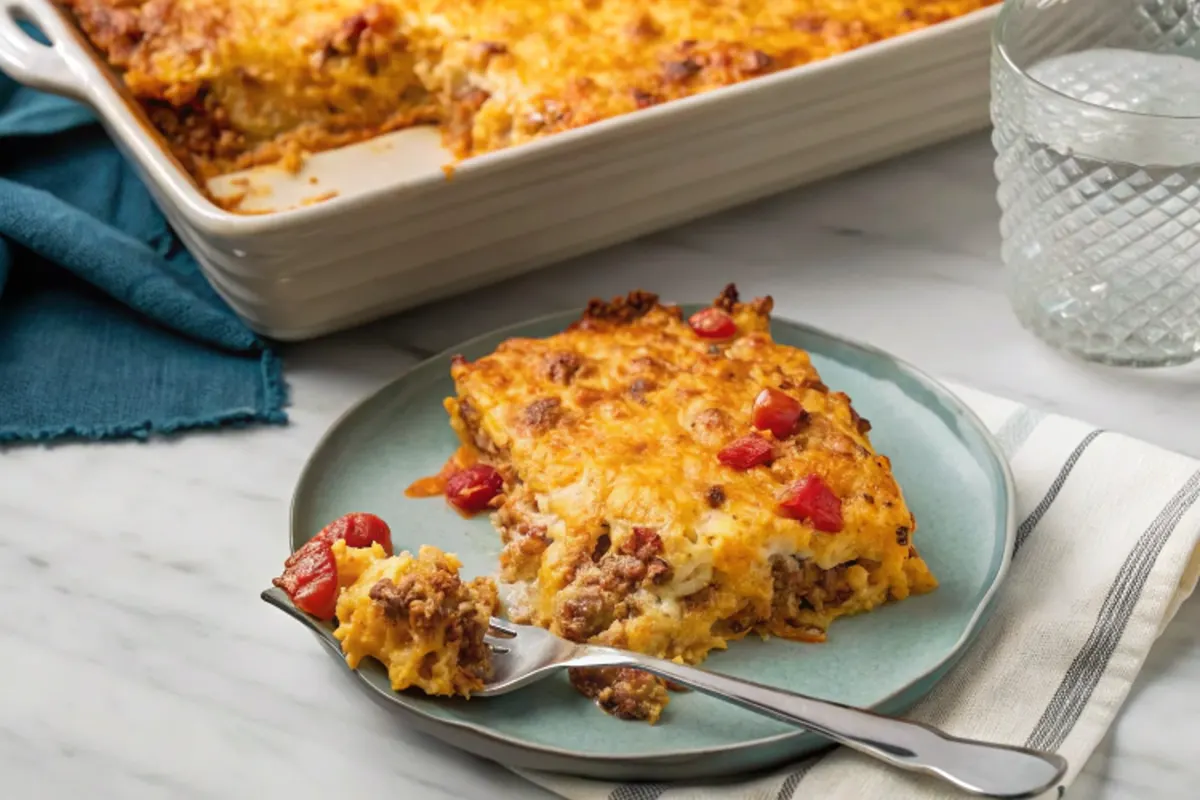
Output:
(671, 485)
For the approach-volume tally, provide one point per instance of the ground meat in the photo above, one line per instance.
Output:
(599, 593)
(727, 299)
(800, 585)
(762, 305)
(543, 414)
(642, 543)
(715, 496)
(561, 367)
(629, 569)
(642, 387)
(474, 655)
(355, 32)
(756, 61)
(420, 600)
(680, 71)
(658, 571)
(623, 692)
(424, 602)
(587, 611)
(620, 309)
(644, 99)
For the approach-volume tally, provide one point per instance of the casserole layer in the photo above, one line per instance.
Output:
(231, 83)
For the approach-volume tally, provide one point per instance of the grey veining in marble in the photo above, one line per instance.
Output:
(139, 662)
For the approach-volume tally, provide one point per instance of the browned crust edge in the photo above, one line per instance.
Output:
(638, 303)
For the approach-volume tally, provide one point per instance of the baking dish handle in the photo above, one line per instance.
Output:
(28, 61)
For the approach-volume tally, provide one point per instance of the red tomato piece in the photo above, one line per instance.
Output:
(811, 498)
(311, 580)
(357, 529)
(474, 487)
(746, 452)
(361, 530)
(776, 412)
(712, 323)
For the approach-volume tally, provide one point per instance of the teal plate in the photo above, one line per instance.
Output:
(952, 474)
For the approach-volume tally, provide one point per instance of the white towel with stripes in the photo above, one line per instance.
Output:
(1107, 550)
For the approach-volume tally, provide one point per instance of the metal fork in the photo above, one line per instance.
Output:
(523, 654)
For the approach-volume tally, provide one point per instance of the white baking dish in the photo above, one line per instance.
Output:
(401, 231)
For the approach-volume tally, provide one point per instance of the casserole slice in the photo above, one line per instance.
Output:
(672, 485)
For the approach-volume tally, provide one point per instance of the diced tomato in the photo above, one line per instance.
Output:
(746, 452)
(310, 574)
(474, 488)
(310, 579)
(357, 529)
(361, 530)
(712, 323)
(776, 412)
(811, 498)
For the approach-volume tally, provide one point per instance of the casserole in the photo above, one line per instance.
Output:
(670, 485)
(379, 226)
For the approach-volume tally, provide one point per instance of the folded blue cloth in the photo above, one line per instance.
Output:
(107, 327)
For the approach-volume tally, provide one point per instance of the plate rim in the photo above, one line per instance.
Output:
(936, 670)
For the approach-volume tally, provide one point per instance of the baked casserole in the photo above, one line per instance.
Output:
(232, 83)
(667, 486)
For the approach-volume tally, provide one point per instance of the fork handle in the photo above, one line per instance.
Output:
(991, 770)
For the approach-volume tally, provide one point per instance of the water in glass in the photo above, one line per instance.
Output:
(1101, 207)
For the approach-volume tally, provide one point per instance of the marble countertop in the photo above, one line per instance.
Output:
(139, 661)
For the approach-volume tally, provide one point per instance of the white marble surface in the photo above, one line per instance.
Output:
(137, 660)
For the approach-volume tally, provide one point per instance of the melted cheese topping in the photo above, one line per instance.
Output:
(237, 82)
(621, 526)
(415, 616)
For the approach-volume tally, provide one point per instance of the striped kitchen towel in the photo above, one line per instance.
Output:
(1106, 551)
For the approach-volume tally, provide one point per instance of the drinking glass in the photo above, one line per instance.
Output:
(1096, 126)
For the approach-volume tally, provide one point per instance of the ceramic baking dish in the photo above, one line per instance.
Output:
(379, 226)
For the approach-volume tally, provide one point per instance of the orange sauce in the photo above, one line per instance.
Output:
(435, 485)
(426, 487)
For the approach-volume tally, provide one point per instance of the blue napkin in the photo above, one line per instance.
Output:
(107, 327)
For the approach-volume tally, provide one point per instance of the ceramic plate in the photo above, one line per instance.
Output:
(952, 474)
